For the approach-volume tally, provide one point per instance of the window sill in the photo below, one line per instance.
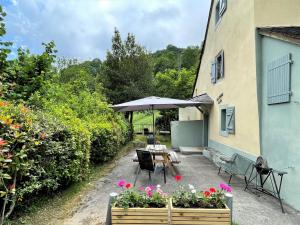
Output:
(224, 133)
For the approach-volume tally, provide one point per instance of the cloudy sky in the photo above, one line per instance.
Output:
(83, 28)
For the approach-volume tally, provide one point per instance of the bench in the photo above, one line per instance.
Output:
(236, 165)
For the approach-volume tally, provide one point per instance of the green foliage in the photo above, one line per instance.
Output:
(175, 84)
(127, 70)
(39, 155)
(86, 112)
(27, 73)
(176, 58)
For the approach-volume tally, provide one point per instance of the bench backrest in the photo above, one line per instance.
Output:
(243, 163)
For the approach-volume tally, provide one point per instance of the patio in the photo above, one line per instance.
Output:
(248, 208)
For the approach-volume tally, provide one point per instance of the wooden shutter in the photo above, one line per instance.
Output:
(279, 80)
(213, 73)
(230, 120)
(223, 6)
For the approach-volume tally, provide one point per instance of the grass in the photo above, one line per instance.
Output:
(144, 117)
(52, 210)
(163, 139)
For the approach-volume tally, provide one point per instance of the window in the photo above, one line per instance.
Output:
(217, 68)
(279, 80)
(223, 120)
(220, 9)
(227, 120)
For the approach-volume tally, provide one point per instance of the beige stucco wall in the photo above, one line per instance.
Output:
(235, 34)
(189, 113)
(277, 13)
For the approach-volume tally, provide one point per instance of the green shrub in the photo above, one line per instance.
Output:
(40, 152)
(82, 110)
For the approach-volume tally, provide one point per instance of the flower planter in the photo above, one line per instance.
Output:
(139, 216)
(193, 216)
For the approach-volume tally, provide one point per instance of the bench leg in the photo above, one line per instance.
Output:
(230, 179)
(219, 170)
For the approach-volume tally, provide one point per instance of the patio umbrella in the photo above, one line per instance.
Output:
(153, 103)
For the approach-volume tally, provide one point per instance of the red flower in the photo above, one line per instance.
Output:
(212, 190)
(178, 177)
(128, 185)
(2, 142)
(206, 193)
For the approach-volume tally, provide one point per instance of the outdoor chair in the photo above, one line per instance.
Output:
(146, 163)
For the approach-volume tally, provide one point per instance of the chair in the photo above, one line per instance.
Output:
(146, 163)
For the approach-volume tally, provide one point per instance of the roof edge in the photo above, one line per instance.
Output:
(203, 46)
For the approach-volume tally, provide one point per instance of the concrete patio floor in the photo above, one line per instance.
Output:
(248, 208)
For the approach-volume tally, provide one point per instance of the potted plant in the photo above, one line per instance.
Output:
(146, 205)
(191, 206)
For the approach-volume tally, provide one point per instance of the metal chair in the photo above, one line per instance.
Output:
(146, 163)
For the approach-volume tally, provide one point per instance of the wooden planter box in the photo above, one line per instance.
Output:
(148, 216)
(193, 216)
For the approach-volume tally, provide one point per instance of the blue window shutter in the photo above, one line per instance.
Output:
(222, 64)
(279, 80)
(213, 73)
(230, 120)
(223, 6)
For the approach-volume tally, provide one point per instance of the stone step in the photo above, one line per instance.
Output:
(191, 150)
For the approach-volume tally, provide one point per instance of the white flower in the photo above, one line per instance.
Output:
(158, 186)
(193, 191)
(191, 187)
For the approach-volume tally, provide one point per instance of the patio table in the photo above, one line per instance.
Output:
(163, 156)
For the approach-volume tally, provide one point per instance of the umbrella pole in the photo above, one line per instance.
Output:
(153, 124)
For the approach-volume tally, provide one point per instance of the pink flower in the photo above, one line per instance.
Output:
(225, 187)
(149, 193)
(121, 183)
(148, 189)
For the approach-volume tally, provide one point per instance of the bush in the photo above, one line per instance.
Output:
(38, 154)
(82, 110)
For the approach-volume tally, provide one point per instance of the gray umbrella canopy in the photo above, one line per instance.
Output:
(153, 103)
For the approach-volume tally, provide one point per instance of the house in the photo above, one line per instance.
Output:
(250, 68)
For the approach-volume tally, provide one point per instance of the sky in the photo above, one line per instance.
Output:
(83, 29)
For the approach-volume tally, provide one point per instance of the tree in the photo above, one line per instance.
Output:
(176, 58)
(4, 51)
(173, 84)
(27, 73)
(127, 70)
